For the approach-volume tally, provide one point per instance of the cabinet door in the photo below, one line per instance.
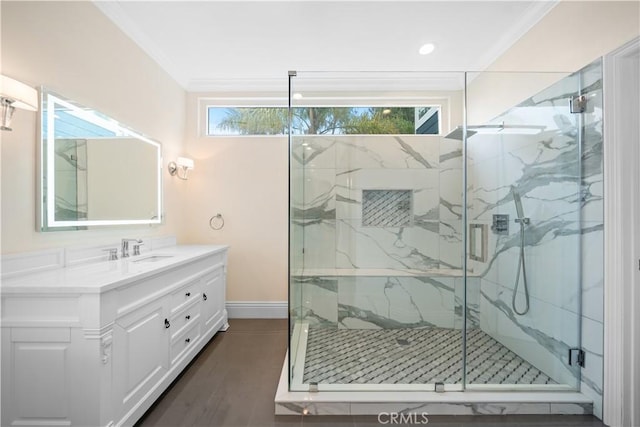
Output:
(213, 291)
(140, 354)
(37, 373)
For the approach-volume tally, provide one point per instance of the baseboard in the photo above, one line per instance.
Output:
(257, 309)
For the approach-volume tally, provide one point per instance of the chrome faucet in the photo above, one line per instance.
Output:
(125, 246)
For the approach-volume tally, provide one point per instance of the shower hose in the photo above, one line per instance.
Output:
(521, 266)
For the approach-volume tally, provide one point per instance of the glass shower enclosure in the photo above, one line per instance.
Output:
(435, 229)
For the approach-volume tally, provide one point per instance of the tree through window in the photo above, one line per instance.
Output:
(323, 120)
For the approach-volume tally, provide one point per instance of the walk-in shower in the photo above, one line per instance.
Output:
(385, 290)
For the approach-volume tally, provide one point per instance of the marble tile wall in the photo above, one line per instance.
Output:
(358, 302)
(560, 183)
(329, 174)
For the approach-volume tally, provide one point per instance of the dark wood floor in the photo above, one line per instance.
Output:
(232, 383)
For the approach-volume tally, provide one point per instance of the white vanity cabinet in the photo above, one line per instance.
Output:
(77, 353)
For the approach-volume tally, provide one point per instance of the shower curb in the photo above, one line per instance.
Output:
(426, 402)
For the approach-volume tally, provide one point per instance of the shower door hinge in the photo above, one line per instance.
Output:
(576, 357)
(578, 104)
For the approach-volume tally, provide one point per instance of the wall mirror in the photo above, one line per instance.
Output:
(94, 171)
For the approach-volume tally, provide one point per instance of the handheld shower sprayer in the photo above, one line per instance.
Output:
(518, 202)
(522, 220)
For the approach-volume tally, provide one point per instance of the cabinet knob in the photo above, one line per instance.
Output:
(188, 294)
(166, 323)
(188, 340)
(187, 317)
(204, 296)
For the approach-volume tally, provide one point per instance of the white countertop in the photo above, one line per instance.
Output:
(99, 277)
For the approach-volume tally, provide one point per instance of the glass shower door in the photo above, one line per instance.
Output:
(525, 155)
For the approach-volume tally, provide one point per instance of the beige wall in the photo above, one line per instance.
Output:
(245, 180)
(570, 36)
(74, 50)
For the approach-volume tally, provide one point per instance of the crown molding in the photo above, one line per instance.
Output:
(117, 15)
(535, 12)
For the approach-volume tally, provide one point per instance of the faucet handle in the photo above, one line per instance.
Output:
(125, 246)
(113, 253)
(136, 247)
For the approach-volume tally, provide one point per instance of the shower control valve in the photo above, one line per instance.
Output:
(500, 224)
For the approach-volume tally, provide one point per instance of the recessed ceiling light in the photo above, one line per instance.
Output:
(426, 49)
(297, 95)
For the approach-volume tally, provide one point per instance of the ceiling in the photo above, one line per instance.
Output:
(230, 45)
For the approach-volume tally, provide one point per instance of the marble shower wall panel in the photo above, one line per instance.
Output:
(423, 182)
(319, 243)
(450, 209)
(592, 271)
(473, 302)
(387, 152)
(450, 232)
(319, 300)
(331, 173)
(313, 152)
(395, 302)
(399, 247)
(535, 337)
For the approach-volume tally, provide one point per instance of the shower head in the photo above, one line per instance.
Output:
(518, 202)
(458, 134)
(497, 128)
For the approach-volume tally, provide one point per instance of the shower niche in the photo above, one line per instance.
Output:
(405, 255)
(387, 208)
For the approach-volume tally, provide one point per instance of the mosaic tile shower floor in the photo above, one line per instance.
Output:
(412, 356)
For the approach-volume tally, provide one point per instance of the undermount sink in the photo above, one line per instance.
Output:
(153, 258)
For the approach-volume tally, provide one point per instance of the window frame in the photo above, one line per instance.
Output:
(443, 104)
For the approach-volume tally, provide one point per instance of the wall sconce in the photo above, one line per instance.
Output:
(14, 94)
(181, 164)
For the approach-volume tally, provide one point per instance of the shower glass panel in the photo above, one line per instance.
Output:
(376, 278)
(448, 259)
(524, 172)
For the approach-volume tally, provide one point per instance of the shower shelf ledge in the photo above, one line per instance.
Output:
(380, 272)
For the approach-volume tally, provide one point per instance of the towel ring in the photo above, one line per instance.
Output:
(220, 223)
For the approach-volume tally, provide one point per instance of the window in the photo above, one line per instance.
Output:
(225, 121)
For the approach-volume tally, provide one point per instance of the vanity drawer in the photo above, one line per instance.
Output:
(185, 295)
(184, 317)
(184, 340)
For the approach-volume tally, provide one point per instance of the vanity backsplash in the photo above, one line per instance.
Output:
(50, 259)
